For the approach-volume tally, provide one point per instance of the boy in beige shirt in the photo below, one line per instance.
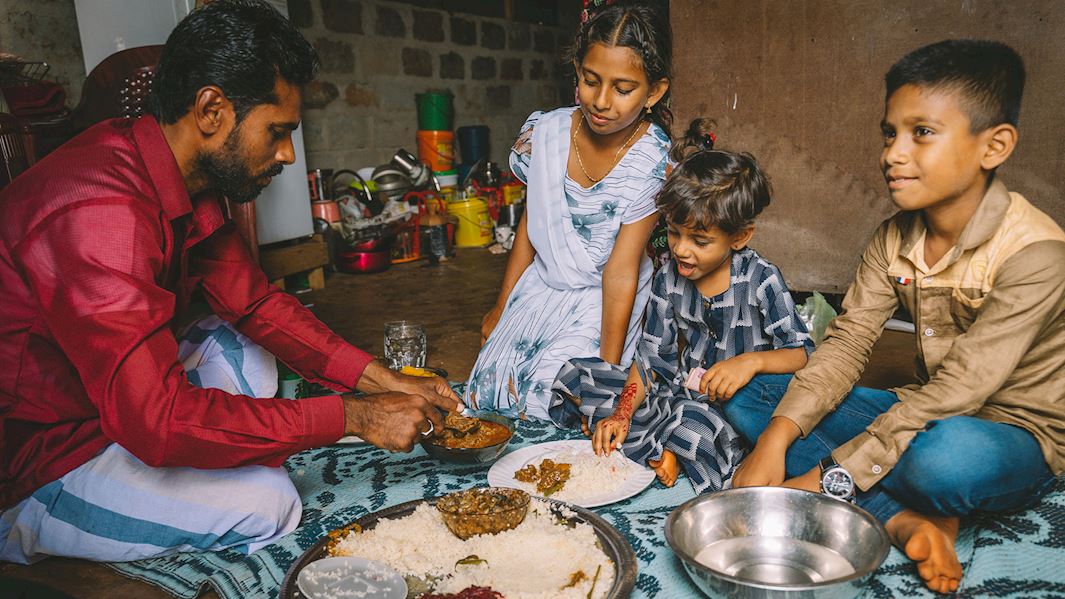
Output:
(982, 273)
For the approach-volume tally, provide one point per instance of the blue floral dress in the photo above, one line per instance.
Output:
(756, 313)
(555, 311)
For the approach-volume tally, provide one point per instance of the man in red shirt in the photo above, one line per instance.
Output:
(108, 451)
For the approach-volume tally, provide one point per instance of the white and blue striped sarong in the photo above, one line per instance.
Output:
(116, 508)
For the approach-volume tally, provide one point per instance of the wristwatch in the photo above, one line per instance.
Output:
(836, 482)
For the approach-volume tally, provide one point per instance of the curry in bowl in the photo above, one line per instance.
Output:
(474, 438)
(460, 432)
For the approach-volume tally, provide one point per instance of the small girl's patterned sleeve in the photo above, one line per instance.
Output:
(521, 152)
(779, 316)
(658, 350)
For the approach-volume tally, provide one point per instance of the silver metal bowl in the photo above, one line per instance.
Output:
(774, 542)
(478, 455)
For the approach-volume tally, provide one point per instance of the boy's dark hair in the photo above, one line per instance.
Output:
(641, 28)
(712, 187)
(989, 76)
(241, 46)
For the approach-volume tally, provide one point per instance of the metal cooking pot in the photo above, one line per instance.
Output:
(376, 243)
(391, 181)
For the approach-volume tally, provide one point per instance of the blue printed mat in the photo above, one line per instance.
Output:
(1018, 555)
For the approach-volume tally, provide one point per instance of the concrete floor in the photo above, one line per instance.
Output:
(449, 300)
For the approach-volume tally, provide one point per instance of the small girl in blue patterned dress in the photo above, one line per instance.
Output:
(732, 307)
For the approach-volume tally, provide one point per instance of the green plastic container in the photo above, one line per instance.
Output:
(436, 111)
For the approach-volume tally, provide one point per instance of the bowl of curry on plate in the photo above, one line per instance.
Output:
(472, 438)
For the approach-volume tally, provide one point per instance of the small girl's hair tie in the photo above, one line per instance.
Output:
(708, 141)
(593, 6)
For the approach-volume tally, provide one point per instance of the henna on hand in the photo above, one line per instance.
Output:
(623, 411)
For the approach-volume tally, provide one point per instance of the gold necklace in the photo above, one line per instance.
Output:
(577, 151)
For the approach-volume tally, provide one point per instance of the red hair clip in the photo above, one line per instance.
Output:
(591, 6)
(709, 140)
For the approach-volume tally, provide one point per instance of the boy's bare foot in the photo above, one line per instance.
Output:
(929, 541)
(667, 468)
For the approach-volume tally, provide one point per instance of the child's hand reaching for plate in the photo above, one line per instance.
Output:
(609, 434)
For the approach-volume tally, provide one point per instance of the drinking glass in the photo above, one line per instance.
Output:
(404, 344)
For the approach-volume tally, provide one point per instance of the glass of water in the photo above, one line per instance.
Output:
(404, 344)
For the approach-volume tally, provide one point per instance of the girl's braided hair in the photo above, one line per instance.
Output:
(641, 28)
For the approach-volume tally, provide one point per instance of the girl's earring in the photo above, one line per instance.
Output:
(648, 109)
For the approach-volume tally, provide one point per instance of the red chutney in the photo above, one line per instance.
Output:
(467, 593)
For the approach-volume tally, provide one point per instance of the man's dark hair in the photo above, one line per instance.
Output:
(241, 46)
(988, 75)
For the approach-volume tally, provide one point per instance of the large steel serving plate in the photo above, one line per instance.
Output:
(610, 540)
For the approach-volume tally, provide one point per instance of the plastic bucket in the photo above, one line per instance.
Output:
(436, 111)
(474, 226)
(437, 149)
(513, 193)
(473, 143)
(447, 178)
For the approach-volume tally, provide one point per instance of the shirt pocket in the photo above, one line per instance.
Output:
(965, 306)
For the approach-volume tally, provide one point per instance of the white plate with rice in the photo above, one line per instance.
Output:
(594, 480)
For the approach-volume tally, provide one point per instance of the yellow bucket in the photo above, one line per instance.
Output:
(475, 225)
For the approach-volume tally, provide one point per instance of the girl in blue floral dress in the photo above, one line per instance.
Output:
(730, 305)
(577, 279)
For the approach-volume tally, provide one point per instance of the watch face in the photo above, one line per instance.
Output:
(838, 483)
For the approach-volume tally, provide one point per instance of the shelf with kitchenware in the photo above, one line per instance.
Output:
(288, 263)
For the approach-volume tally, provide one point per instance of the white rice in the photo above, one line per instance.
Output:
(533, 561)
(591, 476)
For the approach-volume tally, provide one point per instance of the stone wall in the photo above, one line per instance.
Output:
(45, 30)
(377, 55)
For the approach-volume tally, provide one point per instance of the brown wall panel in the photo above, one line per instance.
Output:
(799, 84)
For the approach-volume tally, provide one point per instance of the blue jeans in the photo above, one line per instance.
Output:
(956, 466)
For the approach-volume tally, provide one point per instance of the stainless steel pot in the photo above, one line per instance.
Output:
(770, 542)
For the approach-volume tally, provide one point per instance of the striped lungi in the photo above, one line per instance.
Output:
(116, 508)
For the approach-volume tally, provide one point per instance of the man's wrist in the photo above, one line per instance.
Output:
(353, 423)
(376, 378)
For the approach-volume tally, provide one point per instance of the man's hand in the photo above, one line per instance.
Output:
(722, 380)
(435, 390)
(393, 421)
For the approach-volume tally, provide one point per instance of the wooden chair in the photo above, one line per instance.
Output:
(16, 148)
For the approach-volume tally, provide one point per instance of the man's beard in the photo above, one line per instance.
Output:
(226, 171)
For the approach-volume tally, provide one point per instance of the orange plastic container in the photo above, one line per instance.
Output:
(437, 149)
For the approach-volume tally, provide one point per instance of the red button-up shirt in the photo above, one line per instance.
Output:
(100, 248)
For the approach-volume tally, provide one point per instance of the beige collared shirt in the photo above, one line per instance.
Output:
(990, 319)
